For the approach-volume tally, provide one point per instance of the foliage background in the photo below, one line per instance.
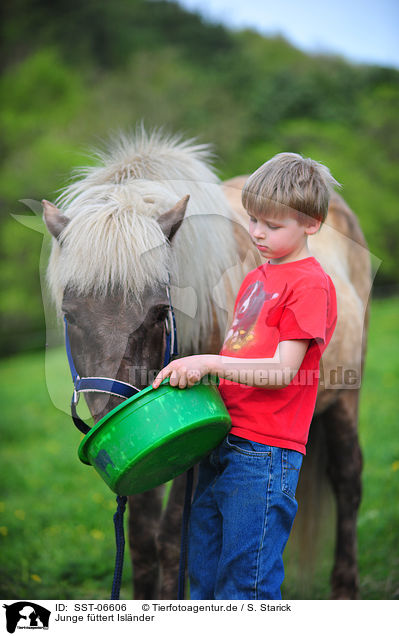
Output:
(56, 530)
(71, 74)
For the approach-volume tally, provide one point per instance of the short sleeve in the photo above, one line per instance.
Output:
(303, 315)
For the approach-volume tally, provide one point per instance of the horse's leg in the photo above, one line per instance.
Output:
(144, 517)
(169, 539)
(344, 469)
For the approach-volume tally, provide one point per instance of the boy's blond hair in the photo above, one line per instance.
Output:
(289, 184)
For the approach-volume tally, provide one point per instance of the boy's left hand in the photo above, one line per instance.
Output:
(185, 372)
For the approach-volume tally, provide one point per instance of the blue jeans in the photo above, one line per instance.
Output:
(242, 514)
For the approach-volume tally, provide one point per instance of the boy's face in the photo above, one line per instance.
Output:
(281, 239)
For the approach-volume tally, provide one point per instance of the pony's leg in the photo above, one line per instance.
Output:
(144, 517)
(344, 469)
(169, 539)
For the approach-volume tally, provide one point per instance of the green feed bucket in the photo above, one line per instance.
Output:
(155, 435)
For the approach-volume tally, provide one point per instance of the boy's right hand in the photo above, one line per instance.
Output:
(185, 372)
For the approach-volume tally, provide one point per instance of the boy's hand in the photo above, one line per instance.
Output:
(185, 372)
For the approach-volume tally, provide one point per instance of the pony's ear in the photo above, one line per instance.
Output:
(171, 220)
(53, 218)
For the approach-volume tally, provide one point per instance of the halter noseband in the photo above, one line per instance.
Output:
(109, 385)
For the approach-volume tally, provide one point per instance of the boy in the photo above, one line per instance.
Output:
(285, 313)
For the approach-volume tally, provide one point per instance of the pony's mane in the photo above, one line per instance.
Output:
(113, 239)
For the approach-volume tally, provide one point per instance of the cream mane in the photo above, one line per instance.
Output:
(113, 238)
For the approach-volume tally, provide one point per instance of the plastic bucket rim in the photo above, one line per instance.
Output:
(87, 439)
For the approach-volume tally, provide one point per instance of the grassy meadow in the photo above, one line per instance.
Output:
(56, 528)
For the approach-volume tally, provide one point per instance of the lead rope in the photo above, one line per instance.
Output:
(120, 540)
(120, 546)
(184, 534)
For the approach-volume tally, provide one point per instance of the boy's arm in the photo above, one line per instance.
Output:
(270, 373)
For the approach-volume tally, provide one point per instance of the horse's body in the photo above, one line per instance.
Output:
(116, 248)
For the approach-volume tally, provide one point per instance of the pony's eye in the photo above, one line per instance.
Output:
(160, 313)
(69, 318)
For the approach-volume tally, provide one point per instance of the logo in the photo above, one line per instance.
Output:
(26, 615)
(246, 315)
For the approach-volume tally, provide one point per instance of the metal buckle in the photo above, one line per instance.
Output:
(75, 394)
(169, 321)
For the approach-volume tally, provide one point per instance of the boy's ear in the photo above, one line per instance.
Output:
(313, 227)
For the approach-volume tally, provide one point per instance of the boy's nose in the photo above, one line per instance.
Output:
(259, 232)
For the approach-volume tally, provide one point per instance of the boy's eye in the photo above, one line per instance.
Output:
(271, 226)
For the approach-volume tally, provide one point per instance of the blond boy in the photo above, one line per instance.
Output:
(284, 316)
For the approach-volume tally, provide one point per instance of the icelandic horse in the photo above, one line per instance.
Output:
(153, 217)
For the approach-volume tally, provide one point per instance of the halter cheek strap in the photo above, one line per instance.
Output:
(108, 385)
(171, 334)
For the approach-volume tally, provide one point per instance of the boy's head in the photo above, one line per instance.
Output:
(289, 185)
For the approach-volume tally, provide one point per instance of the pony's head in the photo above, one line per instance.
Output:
(150, 214)
(115, 306)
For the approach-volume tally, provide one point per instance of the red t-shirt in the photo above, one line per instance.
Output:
(290, 301)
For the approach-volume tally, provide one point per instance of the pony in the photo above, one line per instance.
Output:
(150, 219)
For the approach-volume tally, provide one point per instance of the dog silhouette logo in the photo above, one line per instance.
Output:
(26, 615)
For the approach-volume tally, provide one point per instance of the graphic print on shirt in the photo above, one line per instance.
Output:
(246, 314)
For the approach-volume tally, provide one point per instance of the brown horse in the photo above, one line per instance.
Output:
(127, 232)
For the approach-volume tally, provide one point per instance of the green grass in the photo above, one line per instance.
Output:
(56, 526)
(56, 529)
(378, 520)
(379, 434)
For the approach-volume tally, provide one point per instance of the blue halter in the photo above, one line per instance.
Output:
(109, 385)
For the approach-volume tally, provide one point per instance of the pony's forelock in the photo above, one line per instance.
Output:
(113, 239)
